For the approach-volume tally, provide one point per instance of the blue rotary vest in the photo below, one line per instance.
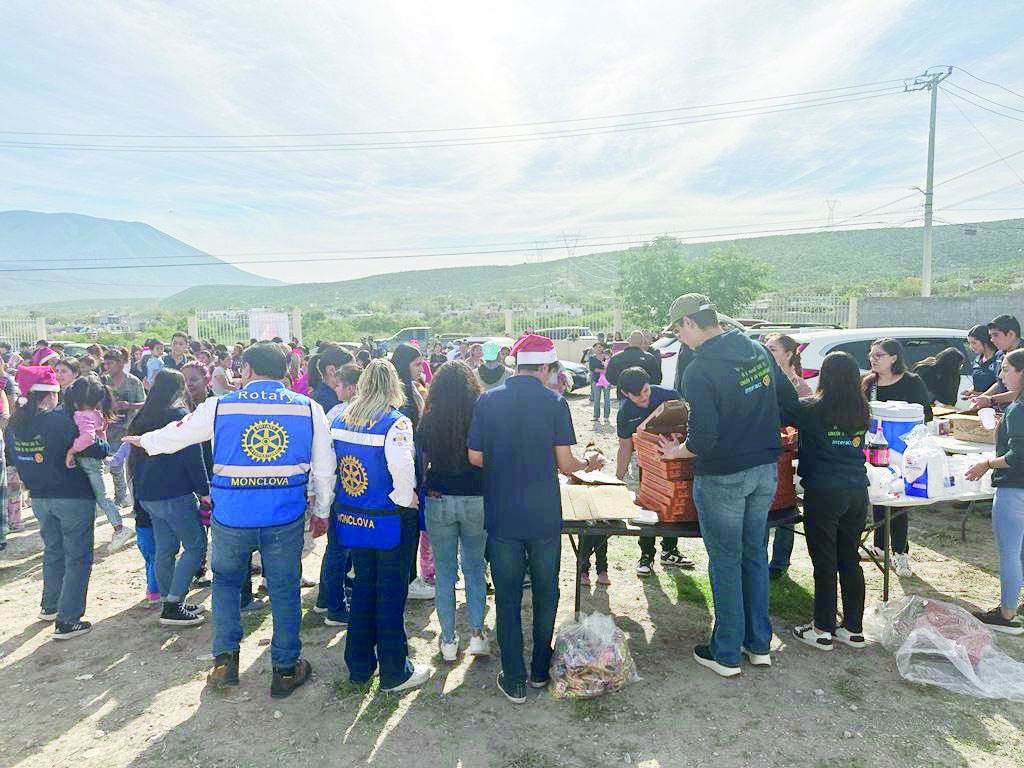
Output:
(262, 451)
(364, 514)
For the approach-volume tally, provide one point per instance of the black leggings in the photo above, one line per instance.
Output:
(598, 546)
(833, 522)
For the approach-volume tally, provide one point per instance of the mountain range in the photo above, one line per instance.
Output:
(30, 240)
(865, 260)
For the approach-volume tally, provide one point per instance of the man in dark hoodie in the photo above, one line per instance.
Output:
(735, 391)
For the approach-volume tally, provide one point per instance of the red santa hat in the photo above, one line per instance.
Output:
(36, 378)
(45, 356)
(532, 349)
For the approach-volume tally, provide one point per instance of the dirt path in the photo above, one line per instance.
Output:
(132, 693)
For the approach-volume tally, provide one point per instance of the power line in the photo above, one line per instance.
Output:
(499, 126)
(982, 106)
(989, 82)
(985, 98)
(985, 139)
(633, 243)
(534, 244)
(457, 142)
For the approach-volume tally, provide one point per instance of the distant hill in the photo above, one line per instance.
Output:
(30, 239)
(823, 261)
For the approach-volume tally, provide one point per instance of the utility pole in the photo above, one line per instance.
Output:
(831, 212)
(929, 80)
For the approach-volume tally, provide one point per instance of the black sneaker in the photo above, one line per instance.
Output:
(673, 558)
(514, 693)
(643, 568)
(539, 684)
(192, 607)
(287, 680)
(995, 620)
(702, 655)
(175, 615)
(225, 670)
(71, 629)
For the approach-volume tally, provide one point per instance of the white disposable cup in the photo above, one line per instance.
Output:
(988, 418)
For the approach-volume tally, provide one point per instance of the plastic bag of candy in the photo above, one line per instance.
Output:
(938, 643)
(591, 658)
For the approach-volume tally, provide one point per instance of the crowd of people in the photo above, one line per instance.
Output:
(425, 463)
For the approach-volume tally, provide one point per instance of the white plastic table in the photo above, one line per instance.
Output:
(954, 445)
(904, 503)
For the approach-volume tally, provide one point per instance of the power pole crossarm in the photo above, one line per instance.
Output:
(929, 80)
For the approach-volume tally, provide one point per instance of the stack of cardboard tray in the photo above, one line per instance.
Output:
(666, 485)
(785, 490)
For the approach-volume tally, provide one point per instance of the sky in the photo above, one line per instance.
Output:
(187, 75)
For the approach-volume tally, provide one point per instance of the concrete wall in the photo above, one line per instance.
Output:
(938, 311)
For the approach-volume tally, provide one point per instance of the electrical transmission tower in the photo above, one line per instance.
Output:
(928, 81)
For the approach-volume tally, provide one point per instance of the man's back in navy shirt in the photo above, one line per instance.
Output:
(517, 426)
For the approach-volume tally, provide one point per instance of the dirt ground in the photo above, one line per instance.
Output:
(132, 692)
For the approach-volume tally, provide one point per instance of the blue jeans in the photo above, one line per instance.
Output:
(93, 469)
(733, 515)
(782, 548)
(176, 526)
(147, 546)
(280, 548)
(597, 393)
(1008, 526)
(508, 568)
(376, 625)
(66, 527)
(454, 521)
(334, 580)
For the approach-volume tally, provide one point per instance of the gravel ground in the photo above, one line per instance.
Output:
(132, 693)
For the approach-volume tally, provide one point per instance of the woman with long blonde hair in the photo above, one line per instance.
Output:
(376, 517)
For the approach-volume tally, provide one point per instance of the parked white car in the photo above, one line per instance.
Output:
(918, 343)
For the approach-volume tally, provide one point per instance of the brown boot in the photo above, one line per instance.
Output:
(224, 672)
(287, 680)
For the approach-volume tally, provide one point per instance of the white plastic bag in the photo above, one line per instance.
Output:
(925, 469)
(941, 644)
(591, 658)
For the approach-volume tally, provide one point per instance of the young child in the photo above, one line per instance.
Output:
(87, 400)
(147, 546)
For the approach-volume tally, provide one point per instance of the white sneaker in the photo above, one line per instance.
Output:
(901, 564)
(319, 609)
(450, 651)
(420, 590)
(844, 636)
(757, 659)
(47, 616)
(420, 675)
(120, 539)
(871, 549)
(479, 645)
(808, 635)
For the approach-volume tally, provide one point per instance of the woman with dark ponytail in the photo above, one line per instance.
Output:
(38, 439)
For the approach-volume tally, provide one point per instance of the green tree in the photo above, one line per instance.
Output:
(729, 276)
(650, 277)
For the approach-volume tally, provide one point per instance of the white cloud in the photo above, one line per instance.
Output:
(204, 68)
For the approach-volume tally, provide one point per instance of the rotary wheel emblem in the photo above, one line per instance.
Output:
(353, 476)
(264, 440)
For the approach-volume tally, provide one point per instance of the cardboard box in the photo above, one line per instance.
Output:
(969, 429)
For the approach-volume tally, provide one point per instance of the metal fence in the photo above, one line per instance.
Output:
(558, 320)
(230, 325)
(811, 309)
(17, 329)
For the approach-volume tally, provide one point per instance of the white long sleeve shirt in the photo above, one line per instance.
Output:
(399, 455)
(197, 427)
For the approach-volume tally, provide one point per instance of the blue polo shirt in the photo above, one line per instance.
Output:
(630, 414)
(517, 426)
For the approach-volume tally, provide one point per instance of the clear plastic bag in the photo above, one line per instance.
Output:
(925, 467)
(941, 644)
(591, 658)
